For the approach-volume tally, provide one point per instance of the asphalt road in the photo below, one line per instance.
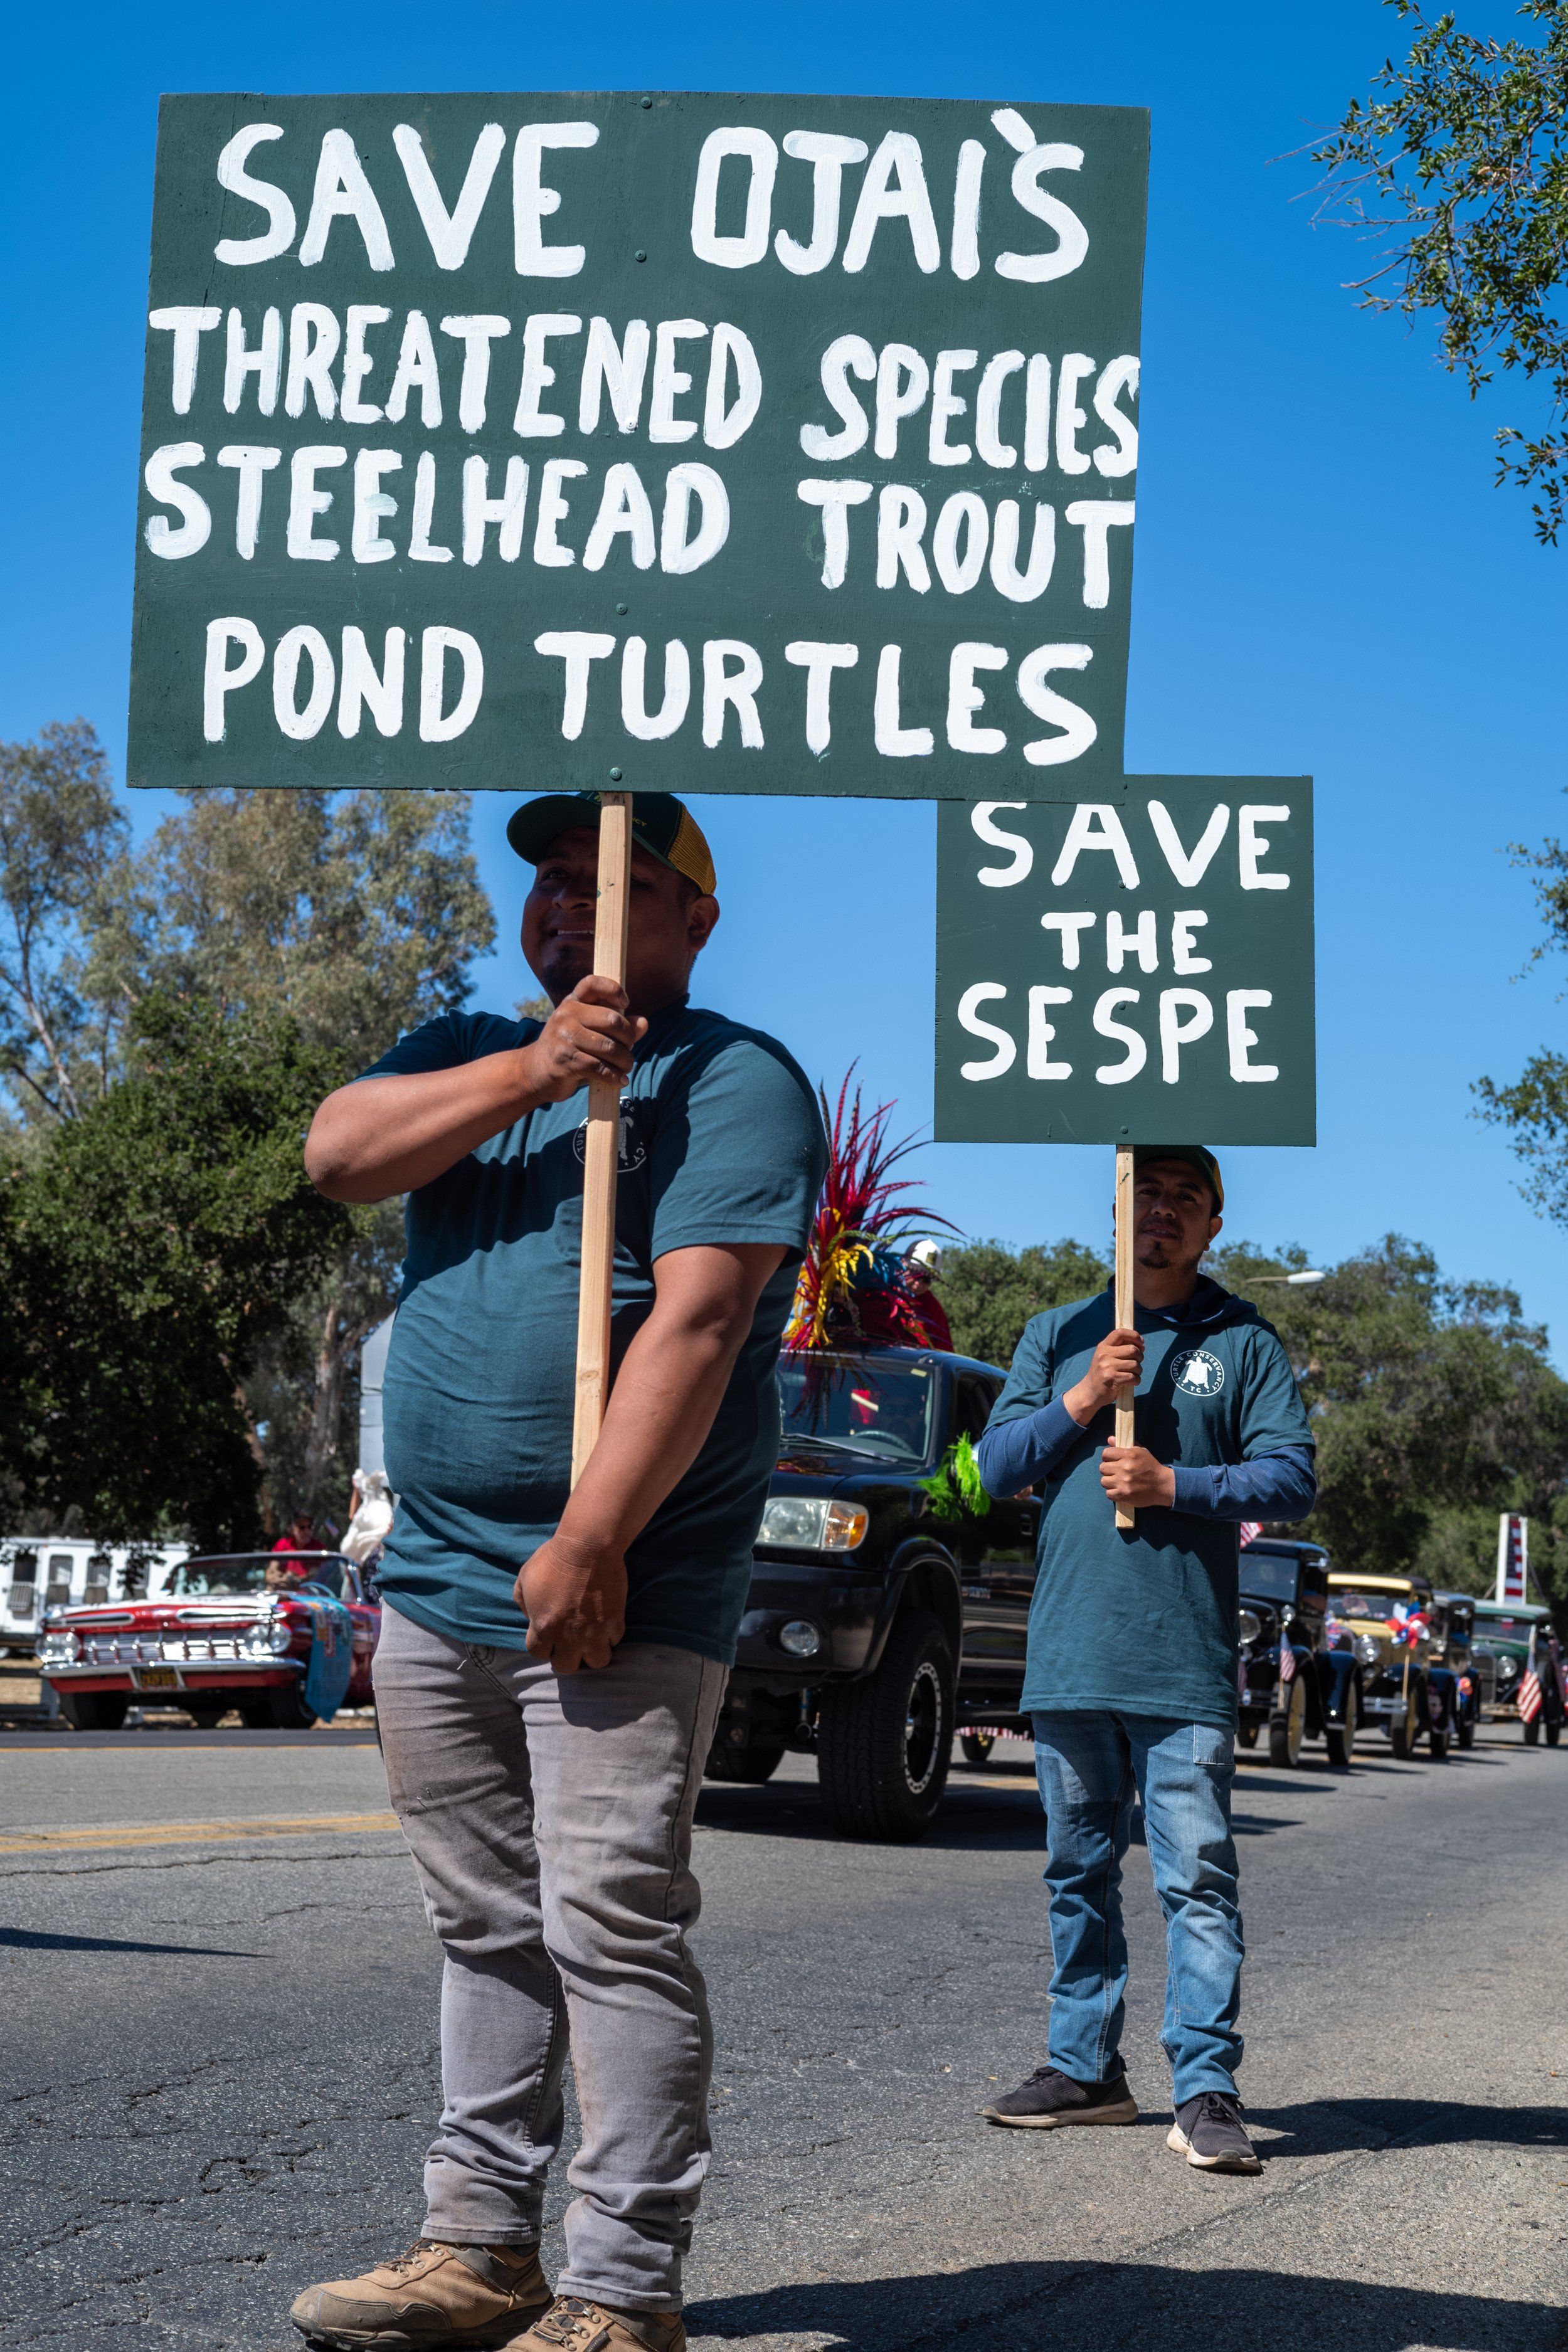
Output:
(220, 2068)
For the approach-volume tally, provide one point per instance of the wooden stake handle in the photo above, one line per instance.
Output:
(1125, 1304)
(604, 1142)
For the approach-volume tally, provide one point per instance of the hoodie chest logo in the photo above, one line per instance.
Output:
(1197, 1373)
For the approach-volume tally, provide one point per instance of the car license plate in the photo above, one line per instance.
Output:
(157, 1679)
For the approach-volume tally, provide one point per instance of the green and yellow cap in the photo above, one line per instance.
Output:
(664, 826)
(1196, 1155)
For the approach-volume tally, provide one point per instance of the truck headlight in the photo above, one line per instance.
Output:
(1507, 1668)
(266, 1638)
(60, 1648)
(1248, 1626)
(812, 1523)
(1367, 1649)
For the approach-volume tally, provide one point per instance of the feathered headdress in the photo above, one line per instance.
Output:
(855, 1286)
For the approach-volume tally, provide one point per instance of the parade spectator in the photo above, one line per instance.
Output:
(1130, 1674)
(587, 1686)
(287, 1568)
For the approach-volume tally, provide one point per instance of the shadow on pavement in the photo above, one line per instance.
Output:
(998, 1821)
(26, 1939)
(1096, 2307)
(1328, 2126)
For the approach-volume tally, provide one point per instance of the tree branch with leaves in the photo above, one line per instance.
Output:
(1454, 171)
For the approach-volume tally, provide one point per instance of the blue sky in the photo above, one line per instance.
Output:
(1327, 579)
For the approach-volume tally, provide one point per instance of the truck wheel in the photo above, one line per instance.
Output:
(1438, 1740)
(884, 1743)
(1286, 1731)
(1466, 1731)
(1339, 1738)
(283, 1709)
(753, 1764)
(977, 1746)
(1247, 1735)
(1532, 1733)
(94, 1710)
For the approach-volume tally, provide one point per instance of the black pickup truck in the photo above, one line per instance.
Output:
(883, 1617)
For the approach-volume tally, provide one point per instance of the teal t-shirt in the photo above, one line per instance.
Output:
(1143, 1622)
(721, 1143)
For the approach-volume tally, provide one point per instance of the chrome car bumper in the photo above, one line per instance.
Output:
(127, 1671)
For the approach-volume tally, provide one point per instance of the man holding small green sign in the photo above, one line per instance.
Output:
(1131, 1659)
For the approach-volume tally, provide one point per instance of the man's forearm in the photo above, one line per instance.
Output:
(671, 1384)
(380, 1137)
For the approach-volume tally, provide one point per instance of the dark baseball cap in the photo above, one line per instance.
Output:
(1196, 1155)
(664, 826)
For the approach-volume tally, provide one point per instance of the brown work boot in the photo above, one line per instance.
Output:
(434, 2296)
(573, 2325)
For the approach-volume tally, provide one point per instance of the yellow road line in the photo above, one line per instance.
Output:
(265, 1825)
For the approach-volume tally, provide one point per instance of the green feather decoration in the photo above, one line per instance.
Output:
(955, 1488)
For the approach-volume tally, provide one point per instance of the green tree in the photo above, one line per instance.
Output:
(355, 916)
(1456, 172)
(1426, 1397)
(1535, 1107)
(61, 836)
(149, 1248)
(990, 1291)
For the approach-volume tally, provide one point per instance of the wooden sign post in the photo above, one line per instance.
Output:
(604, 1143)
(1125, 1303)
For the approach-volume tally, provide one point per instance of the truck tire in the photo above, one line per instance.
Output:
(1339, 1738)
(1438, 1740)
(884, 1743)
(1466, 1731)
(283, 1709)
(753, 1764)
(977, 1746)
(94, 1710)
(1286, 1731)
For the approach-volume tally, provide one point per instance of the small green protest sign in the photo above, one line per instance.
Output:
(678, 441)
(1133, 969)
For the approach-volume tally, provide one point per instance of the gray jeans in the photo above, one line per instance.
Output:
(549, 1822)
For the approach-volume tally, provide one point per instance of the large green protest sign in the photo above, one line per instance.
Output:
(688, 442)
(1128, 969)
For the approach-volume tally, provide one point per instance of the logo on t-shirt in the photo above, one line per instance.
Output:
(634, 1150)
(1197, 1373)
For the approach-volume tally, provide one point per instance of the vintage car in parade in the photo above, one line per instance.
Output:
(1289, 1681)
(890, 1596)
(1507, 1632)
(284, 1637)
(1387, 1624)
(1454, 1624)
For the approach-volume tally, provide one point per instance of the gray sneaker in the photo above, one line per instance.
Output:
(1209, 2132)
(1051, 2098)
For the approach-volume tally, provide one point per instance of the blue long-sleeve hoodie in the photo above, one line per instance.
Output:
(1143, 1621)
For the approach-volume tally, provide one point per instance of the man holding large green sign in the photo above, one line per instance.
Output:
(675, 442)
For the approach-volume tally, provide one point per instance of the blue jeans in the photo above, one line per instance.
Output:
(1088, 1764)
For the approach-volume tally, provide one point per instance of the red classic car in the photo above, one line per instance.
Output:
(243, 1630)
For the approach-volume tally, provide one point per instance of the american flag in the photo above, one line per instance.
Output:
(1250, 1528)
(1529, 1694)
(1287, 1659)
